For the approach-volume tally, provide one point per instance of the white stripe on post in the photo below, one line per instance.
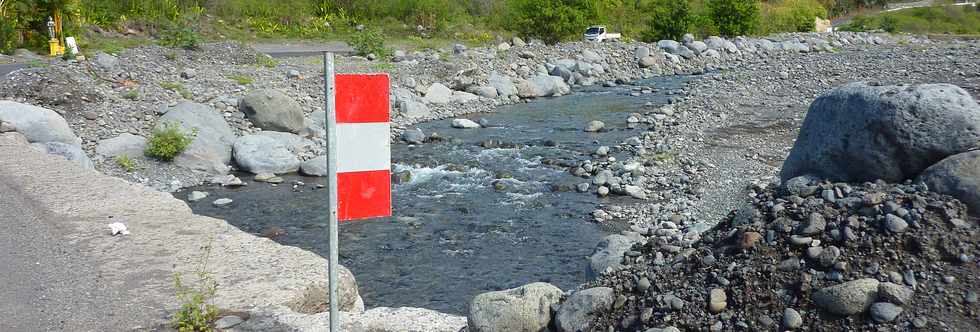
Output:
(363, 146)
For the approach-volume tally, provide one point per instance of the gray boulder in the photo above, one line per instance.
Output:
(669, 46)
(315, 124)
(591, 56)
(294, 143)
(542, 86)
(848, 298)
(465, 124)
(504, 85)
(861, 132)
(522, 309)
(106, 61)
(685, 52)
(485, 91)
(263, 154)
(438, 94)
(125, 144)
(608, 254)
(210, 151)
(715, 43)
(697, 46)
(314, 167)
(38, 125)
(687, 38)
(413, 109)
(581, 308)
(413, 136)
(271, 109)
(641, 52)
(957, 176)
(67, 151)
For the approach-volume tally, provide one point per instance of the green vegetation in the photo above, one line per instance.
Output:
(125, 162)
(168, 141)
(265, 61)
(369, 42)
(372, 25)
(960, 20)
(133, 94)
(178, 88)
(241, 79)
(196, 310)
(670, 20)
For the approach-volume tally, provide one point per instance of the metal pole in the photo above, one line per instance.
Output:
(331, 123)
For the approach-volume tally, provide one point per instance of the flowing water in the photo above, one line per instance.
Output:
(485, 209)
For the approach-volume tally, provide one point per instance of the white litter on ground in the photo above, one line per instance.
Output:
(118, 228)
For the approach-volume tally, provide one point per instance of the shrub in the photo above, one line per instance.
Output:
(180, 36)
(734, 17)
(178, 88)
(196, 309)
(265, 61)
(889, 23)
(8, 36)
(669, 19)
(549, 20)
(168, 141)
(792, 16)
(369, 41)
(125, 162)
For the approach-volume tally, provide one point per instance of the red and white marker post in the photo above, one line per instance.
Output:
(358, 156)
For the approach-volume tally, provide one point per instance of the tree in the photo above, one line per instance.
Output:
(734, 17)
(550, 20)
(669, 19)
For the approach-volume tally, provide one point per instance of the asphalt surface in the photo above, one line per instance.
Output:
(6, 69)
(45, 284)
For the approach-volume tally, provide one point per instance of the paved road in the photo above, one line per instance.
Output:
(45, 284)
(296, 49)
(6, 69)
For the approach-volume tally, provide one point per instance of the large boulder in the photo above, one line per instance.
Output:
(668, 46)
(39, 125)
(542, 86)
(67, 151)
(609, 254)
(504, 85)
(697, 46)
(210, 151)
(314, 167)
(438, 94)
(263, 154)
(579, 311)
(271, 109)
(294, 143)
(125, 144)
(106, 61)
(522, 309)
(862, 132)
(957, 176)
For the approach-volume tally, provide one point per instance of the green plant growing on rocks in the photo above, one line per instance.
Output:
(181, 36)
(171, 55)
(241, 79)
(196, 309)
(133, 94)
(125, 162)
(178, 88)
(369, 42)
(168, 141)
(265, 61)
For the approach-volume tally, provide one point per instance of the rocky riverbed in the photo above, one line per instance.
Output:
(713, 149)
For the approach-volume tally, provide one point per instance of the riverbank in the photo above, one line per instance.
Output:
(700, 153)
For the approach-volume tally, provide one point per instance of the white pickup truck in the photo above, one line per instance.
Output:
(598, 33)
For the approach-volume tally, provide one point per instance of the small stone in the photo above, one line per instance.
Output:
(749, 240)
(949, 279)
(800, 240)
(603, 191)
(676, 303)
(717, 300)
(227, 322)
(602, 151)
(848, 298)
(195, 196)
(813, 252)
(884, 312)
(829, 256)
(789, 264)
(792, 319)
(815, 225)
(275, 180)
(263, 177)
(594, 126)
(895, 224)
(920, 322)
(222, 202)
(895, 293)
(970, 297)
(583, 187)
(643, 284)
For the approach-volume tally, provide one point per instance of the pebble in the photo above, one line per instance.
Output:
(643, 284)
(884, 312)
(792, 319)
(895, 224)
(749, 240)
(970, 297)
(222, 202)
(195, 196)
(717, 300)
(895, 293)
(920, 322)
(227, 322)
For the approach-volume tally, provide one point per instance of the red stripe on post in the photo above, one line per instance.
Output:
(362, 98)
(362, 195)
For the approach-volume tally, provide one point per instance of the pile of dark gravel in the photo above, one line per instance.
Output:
(788, 244)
